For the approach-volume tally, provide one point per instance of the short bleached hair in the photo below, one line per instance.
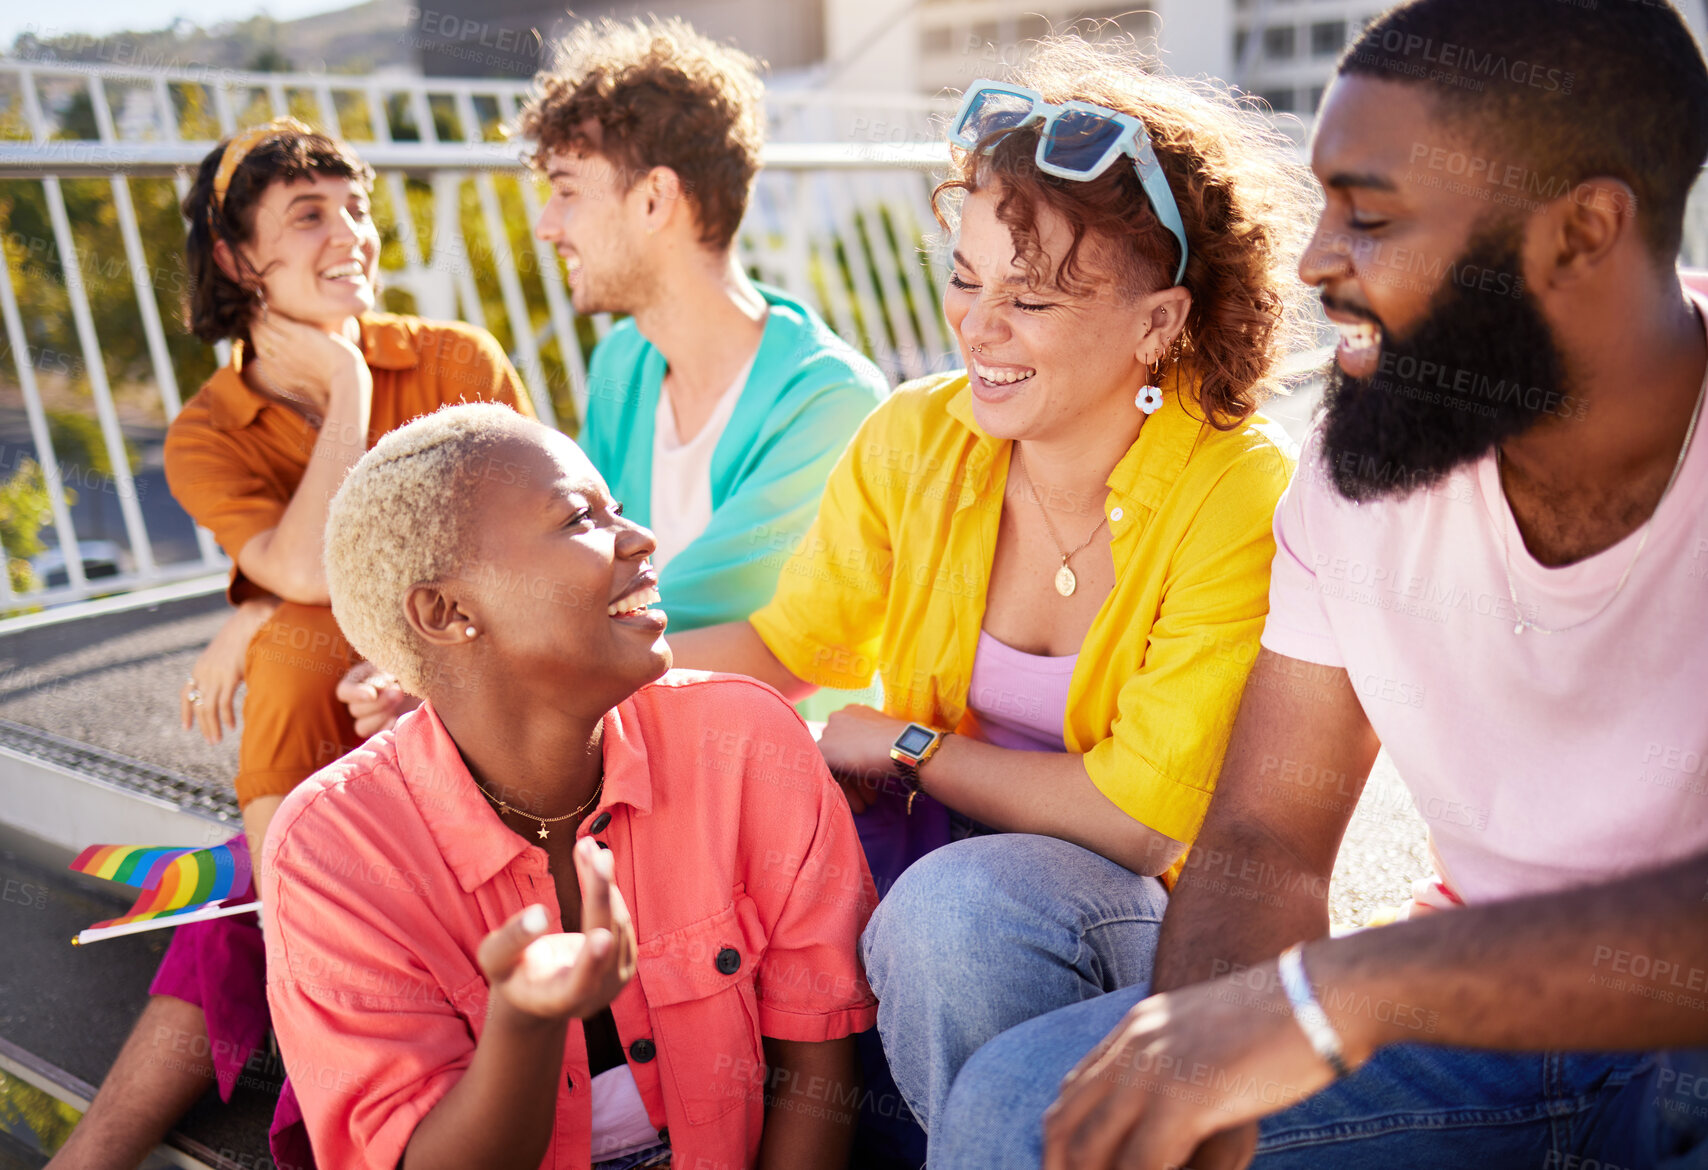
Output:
(402, 519)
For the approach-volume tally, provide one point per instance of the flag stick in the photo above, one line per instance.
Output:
(222, 910)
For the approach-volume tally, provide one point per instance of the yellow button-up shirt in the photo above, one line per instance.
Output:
(892, 579)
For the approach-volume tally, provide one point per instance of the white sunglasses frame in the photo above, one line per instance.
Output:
(1134, 141)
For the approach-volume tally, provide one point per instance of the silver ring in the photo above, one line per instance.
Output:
(194, 694)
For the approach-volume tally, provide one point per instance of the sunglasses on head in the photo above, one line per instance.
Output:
(1077, 140)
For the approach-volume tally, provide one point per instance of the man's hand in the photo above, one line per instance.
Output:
(559, 976)
(1183, 1070)
(375, 700)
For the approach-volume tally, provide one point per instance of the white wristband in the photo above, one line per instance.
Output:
(1312, 1020)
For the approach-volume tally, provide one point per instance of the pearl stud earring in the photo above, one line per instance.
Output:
(469, 631)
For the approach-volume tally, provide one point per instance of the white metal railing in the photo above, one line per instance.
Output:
(837, 218)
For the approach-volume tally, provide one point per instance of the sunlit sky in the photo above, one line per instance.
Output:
(101, 17)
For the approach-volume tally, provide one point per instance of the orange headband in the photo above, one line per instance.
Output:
(238, 149)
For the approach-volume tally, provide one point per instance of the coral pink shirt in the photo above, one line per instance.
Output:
(736, 855)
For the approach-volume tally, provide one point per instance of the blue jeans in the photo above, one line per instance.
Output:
(1410, 1106)
(988, 932)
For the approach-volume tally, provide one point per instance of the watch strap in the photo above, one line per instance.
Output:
(907, 766)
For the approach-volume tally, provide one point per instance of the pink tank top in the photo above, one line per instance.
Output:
(1020, 700)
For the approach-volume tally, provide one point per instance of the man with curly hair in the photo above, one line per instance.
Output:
(718, 406)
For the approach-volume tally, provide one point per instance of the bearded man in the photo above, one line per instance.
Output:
(1492, 562)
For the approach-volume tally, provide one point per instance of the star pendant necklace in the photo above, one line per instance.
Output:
(506, 807)
(1066, 582)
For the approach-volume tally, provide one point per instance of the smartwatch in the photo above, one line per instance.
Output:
(916, 744)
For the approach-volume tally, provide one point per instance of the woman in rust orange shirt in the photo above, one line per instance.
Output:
(283, 257)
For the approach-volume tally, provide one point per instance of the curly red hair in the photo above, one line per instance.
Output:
(1245, 200)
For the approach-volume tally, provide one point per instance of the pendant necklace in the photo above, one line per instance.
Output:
(1066, 582)
(506, 807)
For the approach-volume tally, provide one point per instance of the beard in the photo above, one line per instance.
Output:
(619, 282)
(1480, 368)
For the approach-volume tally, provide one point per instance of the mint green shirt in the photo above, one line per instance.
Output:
(806, 395)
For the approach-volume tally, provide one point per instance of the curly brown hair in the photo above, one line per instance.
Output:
(216, 307)
(661, 95)
(1245, 200)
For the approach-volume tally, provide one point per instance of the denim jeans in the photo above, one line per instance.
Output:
(988, 932)
(1410, 1106)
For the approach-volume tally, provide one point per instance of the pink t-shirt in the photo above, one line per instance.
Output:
(1539, 761)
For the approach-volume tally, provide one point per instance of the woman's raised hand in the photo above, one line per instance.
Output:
(206, 700)
(559, 976)
(308, 362)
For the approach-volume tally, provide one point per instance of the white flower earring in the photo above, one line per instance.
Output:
(1148, 399)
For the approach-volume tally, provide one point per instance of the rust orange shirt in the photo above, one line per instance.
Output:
(735, 853)
(234, 458)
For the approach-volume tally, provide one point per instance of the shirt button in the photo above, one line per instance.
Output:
(599, 823)
(729, 960)
(642, 1050)
(1116, 513)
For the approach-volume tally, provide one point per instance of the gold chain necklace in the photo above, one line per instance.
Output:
(506, 807)
(1066, 582)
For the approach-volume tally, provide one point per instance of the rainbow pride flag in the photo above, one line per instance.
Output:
(180, 884)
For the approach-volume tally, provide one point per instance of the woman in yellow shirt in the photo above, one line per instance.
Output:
(1060, 555)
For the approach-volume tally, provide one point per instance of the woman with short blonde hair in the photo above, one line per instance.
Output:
(566, 912)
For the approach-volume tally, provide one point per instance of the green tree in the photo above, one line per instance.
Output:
(23, 1105)
(270, 59)
(78, 442)
(24, 509)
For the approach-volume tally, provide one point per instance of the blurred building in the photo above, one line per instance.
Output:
(1284, 50)
(1281, 50)
(486, 38)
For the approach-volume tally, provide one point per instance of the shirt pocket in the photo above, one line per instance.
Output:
(699, 987)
